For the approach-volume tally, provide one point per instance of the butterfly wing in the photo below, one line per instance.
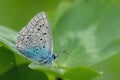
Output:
(35, 39)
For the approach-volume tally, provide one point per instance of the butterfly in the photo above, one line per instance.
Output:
(34, 41)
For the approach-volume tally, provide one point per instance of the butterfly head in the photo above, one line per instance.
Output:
(48, 60)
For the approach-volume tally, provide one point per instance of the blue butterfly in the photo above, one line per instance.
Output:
(34, 41)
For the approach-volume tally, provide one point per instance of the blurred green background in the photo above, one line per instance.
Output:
(17, 13)
(88, 29)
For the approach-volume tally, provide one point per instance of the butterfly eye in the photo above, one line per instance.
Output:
(54, 56)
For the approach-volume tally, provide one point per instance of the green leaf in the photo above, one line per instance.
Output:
(22, 72)
(7, 60)
(77, 73)
(110, 68)
(7, 57)
(89, 31)
(80, 73)
(7, 38)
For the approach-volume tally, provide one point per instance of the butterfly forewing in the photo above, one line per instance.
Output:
(36, 33)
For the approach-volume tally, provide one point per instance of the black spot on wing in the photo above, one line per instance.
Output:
(44, 33)
(46, 27)
(38, 29)
(43, 46)
(40, 26)
(27, 37)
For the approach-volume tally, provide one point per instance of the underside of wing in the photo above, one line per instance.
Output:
(37, 34)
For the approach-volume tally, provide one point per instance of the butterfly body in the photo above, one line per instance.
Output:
(34, 41)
